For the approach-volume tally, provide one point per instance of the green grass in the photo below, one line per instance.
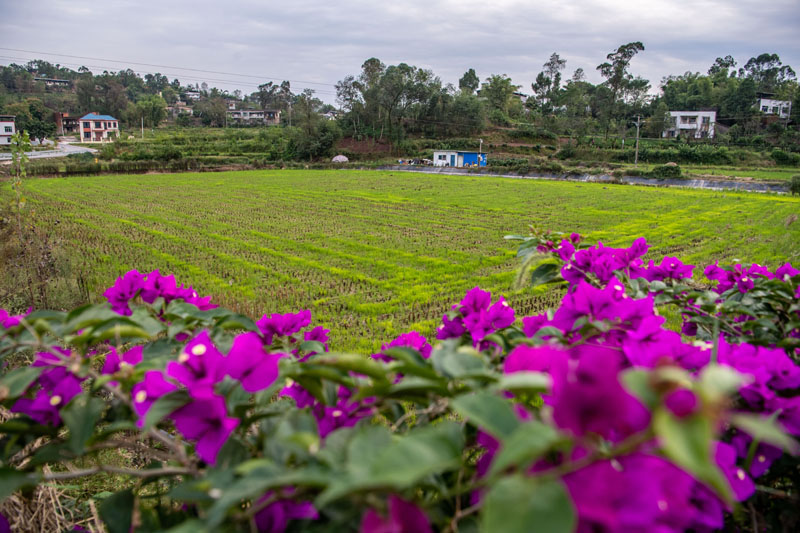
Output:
(760, 173)
(373, 254)
(777, 174)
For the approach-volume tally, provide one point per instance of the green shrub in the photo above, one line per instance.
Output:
(785, 159)
(665, 172)
(794, 185)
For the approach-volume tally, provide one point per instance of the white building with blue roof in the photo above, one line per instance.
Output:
(95, 128)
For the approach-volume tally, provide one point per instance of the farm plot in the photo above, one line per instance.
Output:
(373, 254)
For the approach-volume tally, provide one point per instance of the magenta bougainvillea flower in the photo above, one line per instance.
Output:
(669, 268)
(588, 397)
(151, 287)
(725, 456)
(199, 367)
(114, 363)
(412, 339)
(124, 289)
(158, 286)
(763, 458)
(150, 389)
(403, 517)
(45, 406)
(275, 517)
(249, 363)
(344, 413)
(479, 317)
(205, 421)
(283, 325)
(681, 402)
(638, 492)
(8, 320)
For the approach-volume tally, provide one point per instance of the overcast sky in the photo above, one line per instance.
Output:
(315, 43)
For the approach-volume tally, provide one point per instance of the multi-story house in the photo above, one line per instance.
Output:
(66, 124)
(255, 116)
(96, 128)
(697, 124)
(770, 106)
(7, 129)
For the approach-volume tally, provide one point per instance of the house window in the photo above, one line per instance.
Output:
(87, 135)
(8, 129)
(764, 109)
(87, 124)
(98, 124)
(706, 120)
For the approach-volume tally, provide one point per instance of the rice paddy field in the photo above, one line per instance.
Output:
(373, 254)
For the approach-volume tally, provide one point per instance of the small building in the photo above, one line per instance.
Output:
(268, 117)
(66, 124)
(770, 106)
(457, 158)
(697, 124)
(7, 129)
(192, 95)
(53, 83)
(179, 108)
(96, 128)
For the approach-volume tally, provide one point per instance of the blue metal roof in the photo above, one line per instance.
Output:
(92, 116)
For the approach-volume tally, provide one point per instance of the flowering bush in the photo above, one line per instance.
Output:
(590, 417)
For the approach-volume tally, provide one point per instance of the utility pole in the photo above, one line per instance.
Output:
(636, 154)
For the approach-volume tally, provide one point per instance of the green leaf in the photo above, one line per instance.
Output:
(544, 273)
(81, 416)
(688, 443)
(718, 382)
(11, 480)
(520, 504)
(357, 363)
(421, 452)
(14, 384)
(237, 322)
(400, 464)
(488, 412)
(163, 407)
(765, 429)
(526, 444)
(461, 363)
(117, 511)
(312, 346)
(524, 382)
(88, 315)
(637, 382)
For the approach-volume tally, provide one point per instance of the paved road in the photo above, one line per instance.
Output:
(63, 149)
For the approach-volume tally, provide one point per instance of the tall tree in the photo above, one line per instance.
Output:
(722, 64)
(469, 82)
(767, 72)
(615, 70)
(498, 89)
(153, 109)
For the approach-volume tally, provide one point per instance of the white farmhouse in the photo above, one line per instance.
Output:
(698, 124)
(7, 129)
(768, 106)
